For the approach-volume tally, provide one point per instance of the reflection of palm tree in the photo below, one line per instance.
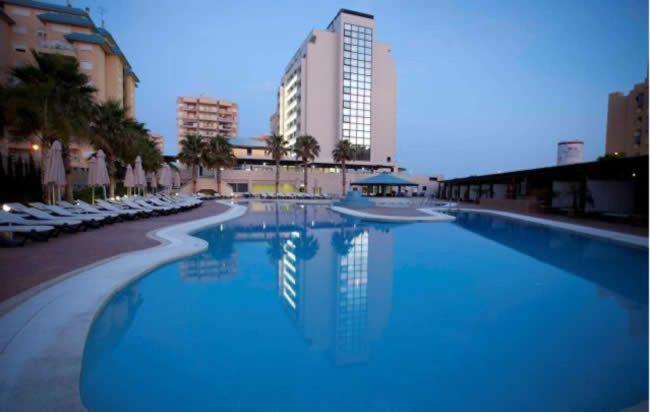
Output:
(342, 240)
(306, 246)
(274, 251)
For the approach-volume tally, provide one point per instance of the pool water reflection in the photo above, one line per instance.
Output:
(296, 308)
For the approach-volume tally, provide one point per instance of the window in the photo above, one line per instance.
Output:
(19, 29)
(85, 47)
(20, 48)
(84, 65)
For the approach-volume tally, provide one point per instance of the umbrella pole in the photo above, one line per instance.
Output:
(93, 194)
(104, 190)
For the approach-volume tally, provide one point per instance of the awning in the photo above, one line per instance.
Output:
(383, 179)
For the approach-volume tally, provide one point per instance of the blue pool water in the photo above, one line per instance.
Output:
(298, 309)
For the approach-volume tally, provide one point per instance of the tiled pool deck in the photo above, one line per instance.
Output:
(40, 262)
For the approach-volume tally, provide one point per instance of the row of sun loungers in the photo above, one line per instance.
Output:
(286, 196)
(40, 221)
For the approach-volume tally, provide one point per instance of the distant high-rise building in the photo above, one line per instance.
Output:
(206, 116)
(627, 122)
(341, 84)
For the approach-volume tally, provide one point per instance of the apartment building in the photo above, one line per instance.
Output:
(341, 84)
(627, 121)
(27, 25)
(206, 116)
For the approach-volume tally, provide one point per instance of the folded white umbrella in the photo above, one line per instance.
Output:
(176, 180)
(129, 178)
(140, 179)
(54, 171)
(152, 179)
(165, 179)
(101, 173)
(92, 175)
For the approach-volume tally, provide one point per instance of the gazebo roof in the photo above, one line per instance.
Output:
(384, 179)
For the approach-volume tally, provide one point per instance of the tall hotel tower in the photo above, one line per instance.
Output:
(341, 84)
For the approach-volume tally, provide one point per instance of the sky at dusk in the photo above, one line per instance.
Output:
(483, 86)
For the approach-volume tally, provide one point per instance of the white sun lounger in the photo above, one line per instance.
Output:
(61, 212)
(82, 207)
(46, 218)
(104, 205)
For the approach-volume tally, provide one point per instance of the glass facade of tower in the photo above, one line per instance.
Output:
(357, 88)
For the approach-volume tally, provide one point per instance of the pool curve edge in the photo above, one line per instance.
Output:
(32, 357)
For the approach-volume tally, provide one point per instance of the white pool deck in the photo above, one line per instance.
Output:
(42, 339)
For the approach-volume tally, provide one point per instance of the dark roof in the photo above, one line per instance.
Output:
(383, 179)
(81, 21)
(46, 6)
(640, 162)
(85, 38)
(355, 13)
(352, 12)
(115, 49)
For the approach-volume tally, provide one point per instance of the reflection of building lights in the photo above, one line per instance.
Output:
(35, 147)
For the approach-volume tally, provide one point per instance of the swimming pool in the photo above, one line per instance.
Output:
(297, 308)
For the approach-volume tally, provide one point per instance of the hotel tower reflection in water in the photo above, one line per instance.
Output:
(340, 297)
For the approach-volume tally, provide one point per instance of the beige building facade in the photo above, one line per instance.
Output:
(341, 84)
(206, 116)
(52, 28)
(627, 122)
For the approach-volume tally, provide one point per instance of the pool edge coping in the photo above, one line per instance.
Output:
(33, 358)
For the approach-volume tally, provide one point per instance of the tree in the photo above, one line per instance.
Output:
(343, 152)
(190, 154)
(50, 100)
(217, 154)
(306, 149)
(149, 153)
(110, 126)
(277, 147)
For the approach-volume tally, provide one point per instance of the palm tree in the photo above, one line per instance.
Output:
(218, 154)
(190, 154)
(111, 132)
(50, 101)
(149, 153)
(277, 147)
(343, 152)
(306, 149)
